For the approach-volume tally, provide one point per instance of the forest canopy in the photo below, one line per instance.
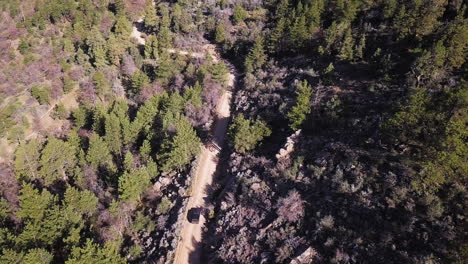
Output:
(346, 141)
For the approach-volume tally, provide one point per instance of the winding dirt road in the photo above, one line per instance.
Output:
(188, 248)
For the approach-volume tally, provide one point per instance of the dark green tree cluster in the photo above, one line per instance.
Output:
(436, 123)
(246, 134)
(48, 220)
(296, 26)
(51, 219)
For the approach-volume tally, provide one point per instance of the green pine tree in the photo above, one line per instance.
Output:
(256, 58)
(276, 42)
(193, 95)
(239, 15)
(151, 17)
(102, 86)
(298, 113)
(113, 135)
(346, 51)
(165, 39)
(246, 134)
(219, 73)
(180, 147)
(151, 47)
(58, 160)
(27, 158)
(98, 151)
(133, 184)
(38, 255)
(94, 253)
(139, 80)
(165, 68)
(220, 33)
(97, 48)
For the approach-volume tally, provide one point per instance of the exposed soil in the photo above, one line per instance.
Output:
(191, 234)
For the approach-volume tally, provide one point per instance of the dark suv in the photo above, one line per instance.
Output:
(193, 215)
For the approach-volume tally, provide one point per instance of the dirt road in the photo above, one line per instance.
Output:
(188, 247)
(191, 234)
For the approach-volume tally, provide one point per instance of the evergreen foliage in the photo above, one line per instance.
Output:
(246, 134)
(180, 145)
(256, 58)
(298, 113)
(239, 14)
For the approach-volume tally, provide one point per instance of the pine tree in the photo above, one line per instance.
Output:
(5, 211)
(346, 51)
(38, 255)
(97, 48)
(165, 67)
(115, 49)
(165, 39)
(457, 41)
(42, 94)
(179, 149)
(299, 32)
(332, 33)
(113, 135)
(80, 117)
(193, 95)
(298, 113)
(93, 253)
(119, 7)
(11, 256)
(57, 161)
(220, 33)
(139, 80)
(128, 162)
(165, 16)
(239, 15)
(314, 13)
(186, 23)
(361, 47)
(68, 84)
(34, 205)
(277, 36)
(256, 58)
(172, 107)
(246, 134)
(428, 16)
(99, 118)
(145, 150)
(27, 157)
(151, 47)
(102, 85)
(133, 184)
(122, 27)
(151, 18)
(78, 204)
(176, 17)
(219, 73)
(146, 115)
(98, 152)
(282, 10)
(390, 8)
